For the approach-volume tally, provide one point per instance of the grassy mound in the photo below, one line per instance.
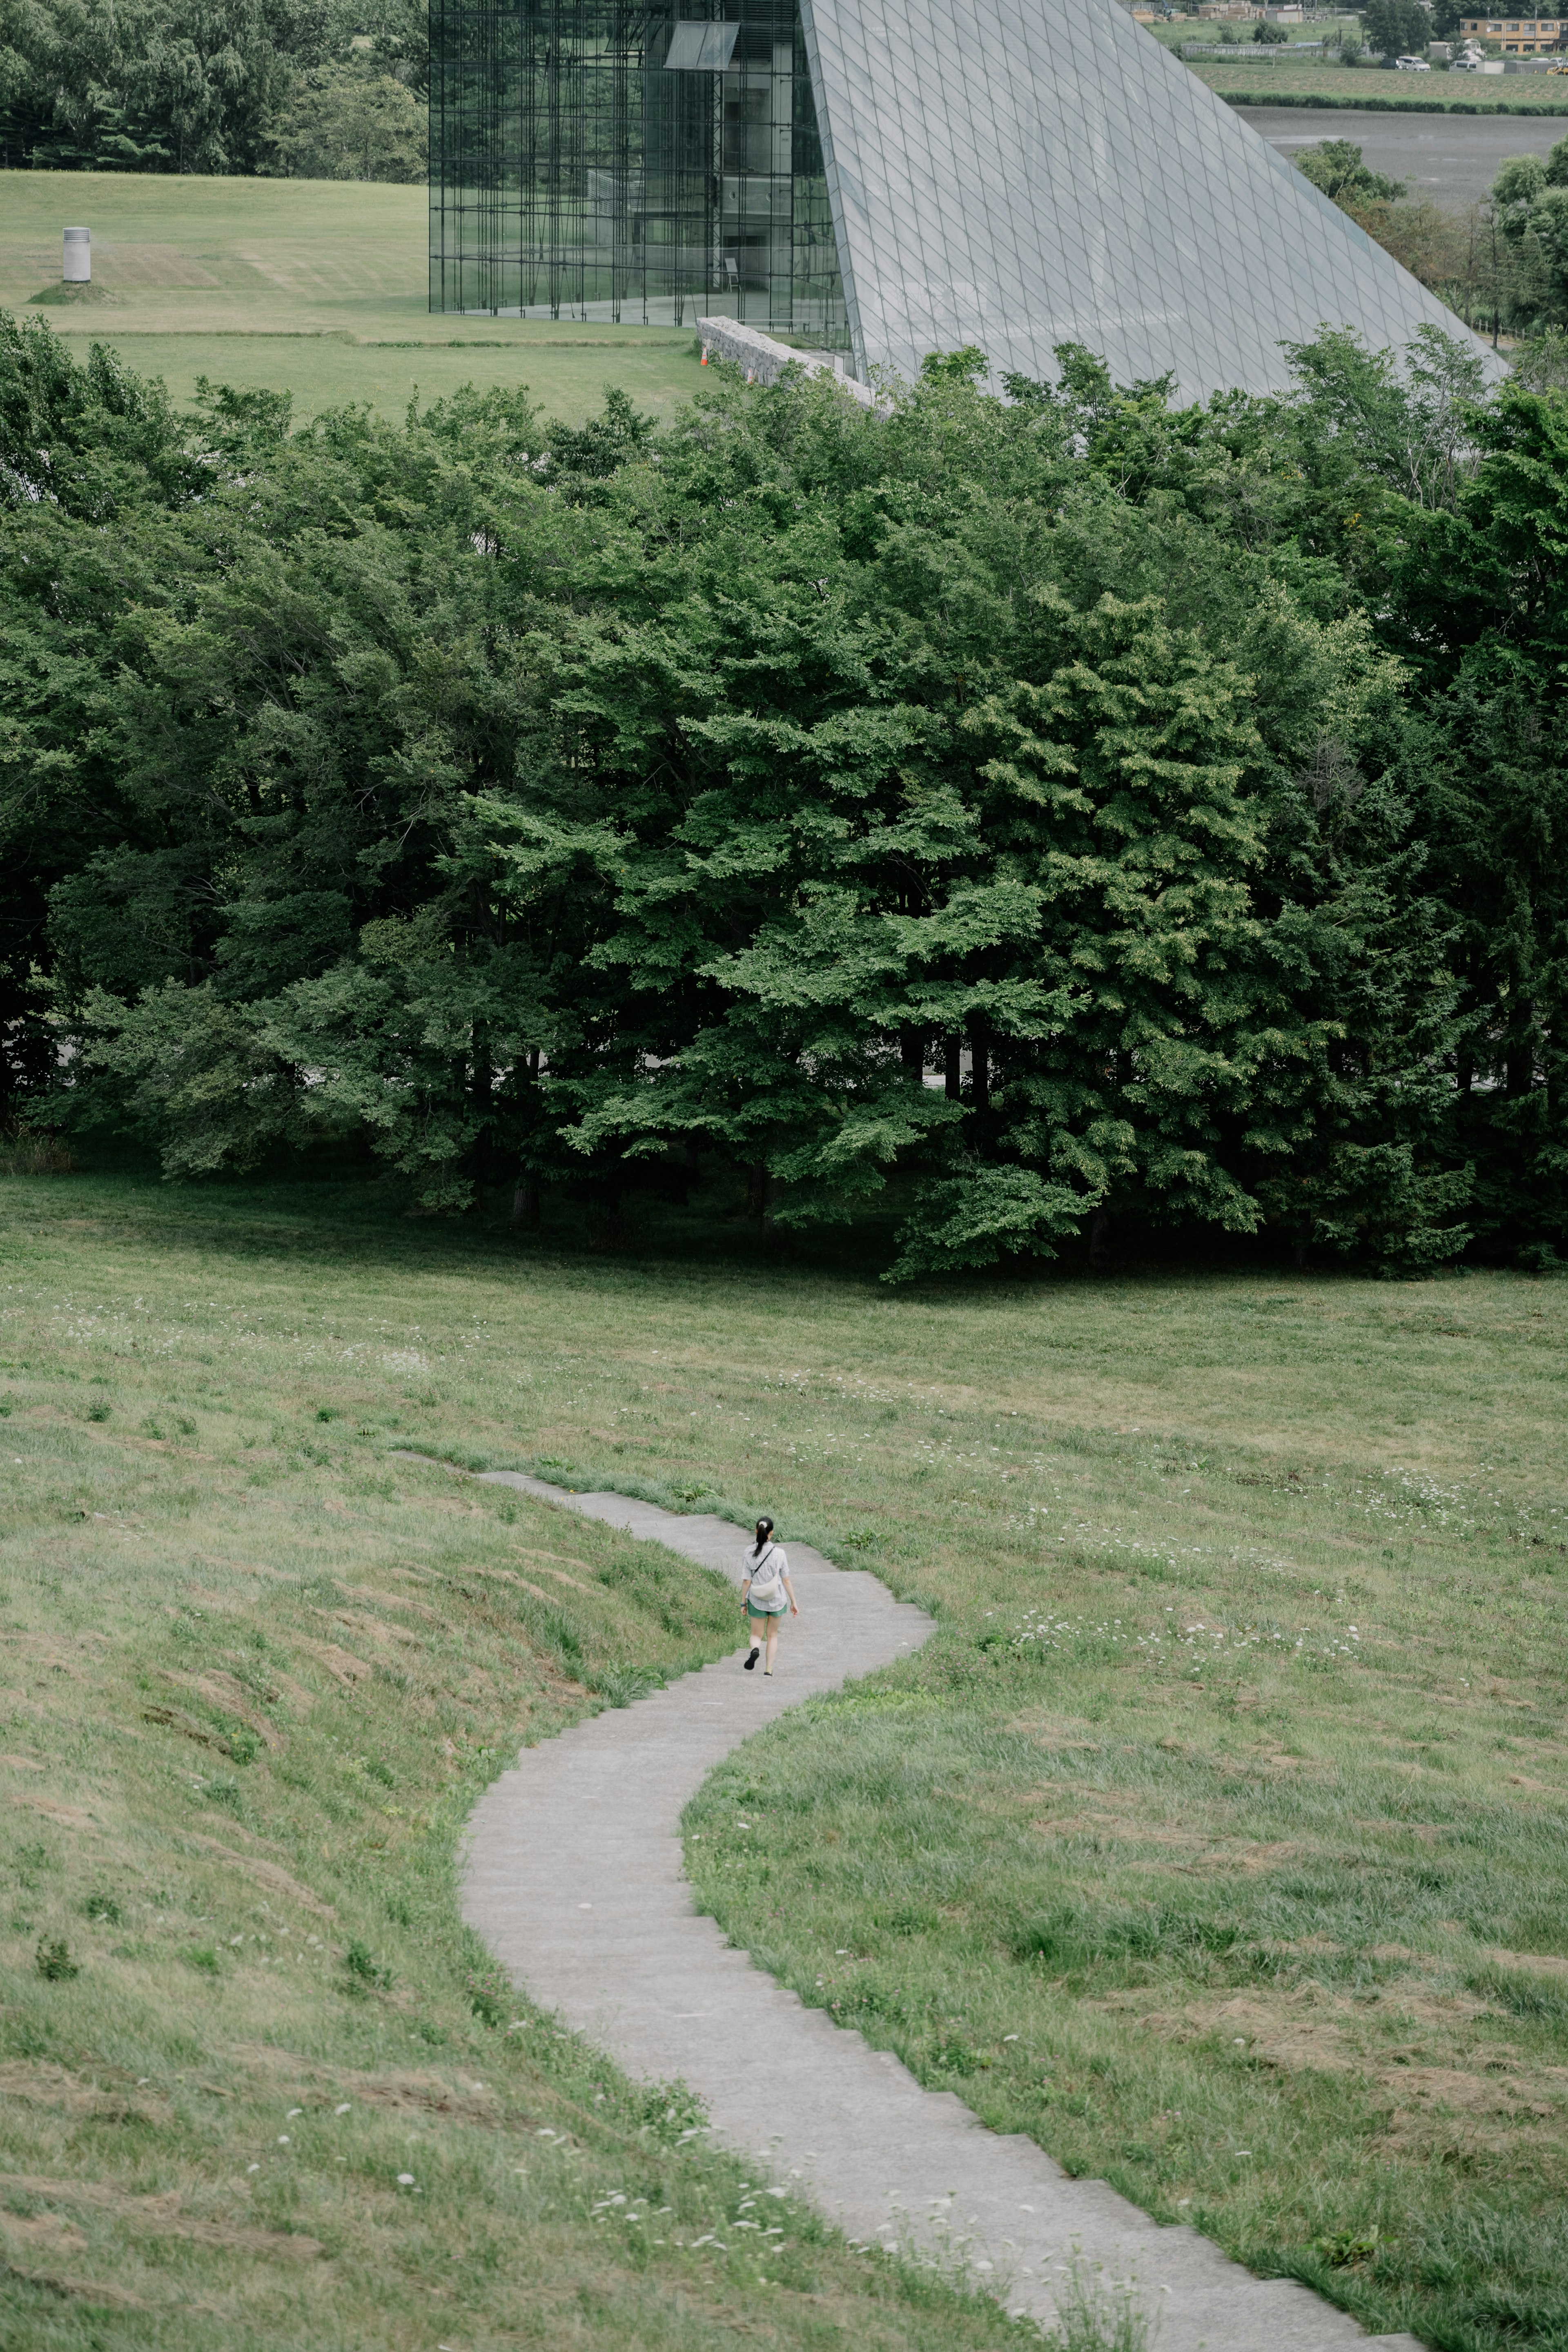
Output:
(260, 2086)
(74, 297)
(1219, 1838)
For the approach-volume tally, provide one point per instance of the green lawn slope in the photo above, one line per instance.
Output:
(258, 2088)
(317, 288)
(1219, 1838)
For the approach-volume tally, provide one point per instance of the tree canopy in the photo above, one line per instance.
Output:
(1005, 817)
(1397, 27)
(313, 88)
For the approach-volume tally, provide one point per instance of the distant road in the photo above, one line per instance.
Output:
(1449, 158)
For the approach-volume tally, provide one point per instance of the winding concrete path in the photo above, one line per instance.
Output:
(573, 1877)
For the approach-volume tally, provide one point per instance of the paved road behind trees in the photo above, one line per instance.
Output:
(1449, 158)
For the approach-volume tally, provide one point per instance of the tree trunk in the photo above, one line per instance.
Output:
(953, 1067)
(979, 1062)
(757, 1189)
(1099, 1225)
(912, 1054)
(607, 1231)
(526, 1203)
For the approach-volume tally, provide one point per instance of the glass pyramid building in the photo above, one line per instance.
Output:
(885, 178)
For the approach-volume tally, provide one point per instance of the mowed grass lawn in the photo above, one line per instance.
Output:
(1216, 1839)
(316, 287)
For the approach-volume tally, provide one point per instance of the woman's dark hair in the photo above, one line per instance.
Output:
(765, 1529)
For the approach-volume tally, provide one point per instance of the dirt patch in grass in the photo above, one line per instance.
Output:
(221, 1690)
(68, 1817)
(46, 2231)
(1250, 1856)
(1117, 1826)
(1541, 1964)
(57, 2086)
(77, 2290)
(161, 2213)
(261, 1872)
(342, 1665)
(1497, 2092)
(1287, 2030)
(423, 2094)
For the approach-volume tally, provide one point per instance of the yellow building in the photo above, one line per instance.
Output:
(1519, 37)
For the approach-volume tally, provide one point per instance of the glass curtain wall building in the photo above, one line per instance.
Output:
(594, 159)
(887, 178)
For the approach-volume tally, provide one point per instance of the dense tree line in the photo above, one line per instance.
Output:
(314, 88)
(1502, 265)
(1016, 815)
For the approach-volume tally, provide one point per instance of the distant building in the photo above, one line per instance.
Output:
(884, 179)
(1519, 36)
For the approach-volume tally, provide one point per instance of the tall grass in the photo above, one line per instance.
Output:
(34, 1152)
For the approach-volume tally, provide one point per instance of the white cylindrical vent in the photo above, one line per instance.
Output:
(77, 269)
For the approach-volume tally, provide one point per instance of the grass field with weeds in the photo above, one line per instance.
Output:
(314, 286)
(1218, 1839)
(1250, 82)
(258, 2086)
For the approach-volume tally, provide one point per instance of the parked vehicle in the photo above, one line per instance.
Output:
(1411, 65)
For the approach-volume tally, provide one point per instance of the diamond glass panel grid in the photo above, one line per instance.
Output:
(1016, 178)
(593, 161)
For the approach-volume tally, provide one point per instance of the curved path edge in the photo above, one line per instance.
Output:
(573, 1875)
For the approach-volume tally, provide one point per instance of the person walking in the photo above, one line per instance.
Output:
(765, 1593)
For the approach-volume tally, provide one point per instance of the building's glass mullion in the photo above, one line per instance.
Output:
(582, 165)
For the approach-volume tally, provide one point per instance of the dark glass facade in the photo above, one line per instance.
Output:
(591, 160)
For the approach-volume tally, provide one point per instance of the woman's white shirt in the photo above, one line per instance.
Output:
(775, 1562)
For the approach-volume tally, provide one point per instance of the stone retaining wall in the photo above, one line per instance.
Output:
(764, 361)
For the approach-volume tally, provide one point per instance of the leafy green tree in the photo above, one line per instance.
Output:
(999, 816)
(1530, 196)
(1335, 166)
(1271, 36)
(351, 120)
(144, 85)
(1482, 592)
(1397, 27)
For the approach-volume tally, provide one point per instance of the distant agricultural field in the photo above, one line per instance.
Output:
(316, 287)
(1250, 82)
